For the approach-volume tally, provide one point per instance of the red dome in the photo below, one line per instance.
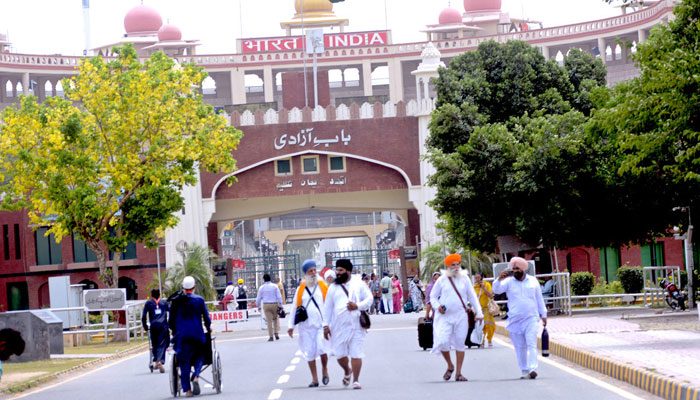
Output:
(481, 5)
(169, 32)
(450, 16)
(142, 19)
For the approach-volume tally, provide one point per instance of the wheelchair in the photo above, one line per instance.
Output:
(212, 361)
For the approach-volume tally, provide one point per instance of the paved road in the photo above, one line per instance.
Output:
(394, 368)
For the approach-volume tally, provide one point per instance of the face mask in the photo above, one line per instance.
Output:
(342, 278)
(518, 275)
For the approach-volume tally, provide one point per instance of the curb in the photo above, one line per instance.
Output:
(656, 384)
(47, 378)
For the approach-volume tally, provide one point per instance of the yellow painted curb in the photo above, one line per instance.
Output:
(659, 385)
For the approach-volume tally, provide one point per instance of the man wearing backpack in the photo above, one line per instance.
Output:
(308, 301)
(241, 295)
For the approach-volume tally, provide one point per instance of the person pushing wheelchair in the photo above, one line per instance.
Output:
(188, 310)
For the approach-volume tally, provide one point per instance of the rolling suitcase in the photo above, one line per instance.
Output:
(472, 320)
(425, 333)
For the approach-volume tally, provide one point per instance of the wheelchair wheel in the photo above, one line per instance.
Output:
(174, 374)
(216, 371)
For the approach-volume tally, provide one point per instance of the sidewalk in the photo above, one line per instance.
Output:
(665, 361)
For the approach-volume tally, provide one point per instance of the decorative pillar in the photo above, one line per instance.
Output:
(641, 35)
(268, 84)
(367, 77)
(602, 49)
(238, 95)
(25, 83)
(545, 52)
(395, 81)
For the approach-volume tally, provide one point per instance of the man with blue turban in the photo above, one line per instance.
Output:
(311, 295)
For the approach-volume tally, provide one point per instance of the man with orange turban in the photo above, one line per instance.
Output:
(449, 297)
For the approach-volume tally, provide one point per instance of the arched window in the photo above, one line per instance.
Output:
(130, 286)
(89, 285)
(380, 76)
(209, 85)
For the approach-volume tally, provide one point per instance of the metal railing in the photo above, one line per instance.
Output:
(106, 327)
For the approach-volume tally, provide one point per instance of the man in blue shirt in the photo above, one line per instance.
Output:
(269, 299)
(157, 313)
(186, 316)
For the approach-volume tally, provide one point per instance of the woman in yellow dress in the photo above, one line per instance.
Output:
(483, 291)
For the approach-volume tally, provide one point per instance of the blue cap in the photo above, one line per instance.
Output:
(229, 283)
(307, 265)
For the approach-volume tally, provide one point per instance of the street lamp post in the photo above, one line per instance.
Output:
(689, 260)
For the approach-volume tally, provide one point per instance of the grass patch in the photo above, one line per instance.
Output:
(12, 381)
(97, 346)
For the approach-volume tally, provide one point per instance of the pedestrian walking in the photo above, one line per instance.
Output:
(155, 312)
(376, 290)
(269, 300)
(241, 293)
(283, 292)
(485, 294)
(311, 295)
(525, 309)
(415, 289)
(229, 288)
(396, 293)
(387, 299)
(187, 313)
(449, 296)
(344, 301)
(428, 289)
(329, 277)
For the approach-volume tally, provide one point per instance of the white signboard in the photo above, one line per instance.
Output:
(104, 299)
(228, 316)
(314, 41)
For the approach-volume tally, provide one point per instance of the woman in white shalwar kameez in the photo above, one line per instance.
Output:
(311, 293)
(451, 319)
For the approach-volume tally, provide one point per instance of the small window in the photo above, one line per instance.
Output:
(309, 165)
(336, 164)
(283, 167)
(48, 251)
(18, 247)
(6, 241)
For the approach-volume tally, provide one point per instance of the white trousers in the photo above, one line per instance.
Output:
(524, 338)
(311, 342)
(388, 304)
(449, 334)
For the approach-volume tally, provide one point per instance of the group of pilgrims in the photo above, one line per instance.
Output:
(333, 312)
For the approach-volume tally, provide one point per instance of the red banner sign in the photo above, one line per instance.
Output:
(331, 41)
(394, 254)
(228, 316)
(238, 264)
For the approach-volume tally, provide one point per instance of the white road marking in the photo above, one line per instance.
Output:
(290, 368)
(79, 376)
(298, 353)
(579, 374)
(283, 379)
(275, 394)
(241, 339)
(296, 360)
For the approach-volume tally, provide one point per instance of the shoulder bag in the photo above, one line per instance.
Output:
(301, 314)
(365, 323)
(494, 309)
(466, 310)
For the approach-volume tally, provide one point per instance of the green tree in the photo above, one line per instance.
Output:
(108, 162)
(196, 262)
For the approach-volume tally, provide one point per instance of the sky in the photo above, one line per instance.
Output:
(56, 26)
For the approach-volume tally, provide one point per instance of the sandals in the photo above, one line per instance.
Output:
(448, 374)
(325, 380)
(356, 385)
(313, 384)
(460, 378)
(346, 379)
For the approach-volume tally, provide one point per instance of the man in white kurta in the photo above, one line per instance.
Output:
(343, 310)
(525, 308)
(311, 294)
(451, 319)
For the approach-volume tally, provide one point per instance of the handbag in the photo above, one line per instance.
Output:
(301, 315)
(477, 336)
(365, 323)
(494, 309)
(281, 313)
(394, 290)
(408, 306)
(385, 290)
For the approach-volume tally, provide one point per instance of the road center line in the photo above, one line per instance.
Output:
(290, 368)
(295, 360)
(579, 374)
(283, 379)
(275, 394)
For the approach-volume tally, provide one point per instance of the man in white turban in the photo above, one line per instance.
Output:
(525, 309)
(449, 297)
